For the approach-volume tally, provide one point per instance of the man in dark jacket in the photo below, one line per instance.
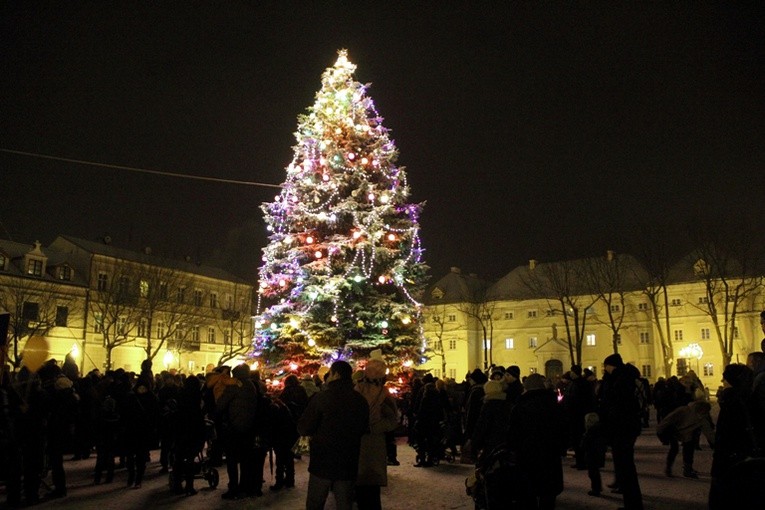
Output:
(236, 409)
(620, 415)
(335, 418)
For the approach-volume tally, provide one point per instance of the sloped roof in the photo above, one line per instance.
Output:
(109, 250)
(16, 252)
(455, 287)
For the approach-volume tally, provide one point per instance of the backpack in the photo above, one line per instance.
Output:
(109, 412)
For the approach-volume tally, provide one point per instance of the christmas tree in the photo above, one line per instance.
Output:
(343, 268)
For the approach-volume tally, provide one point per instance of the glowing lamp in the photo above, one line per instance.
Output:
(358, 278)
(384, 324)
(384, 199)
(318, 254)
(311, 342)
(275, 383)
(293, 366)
(333, 318)
(75, 351)
(325, 177)
(351, 156)
(406, 319)
(364, 161)
(167, 359)
(294, 323)
(371, 197)
(309, 240)
(408, 363)
(381, 279)
(391, 237)
(282, 283)
(356, 234)
(274, 326)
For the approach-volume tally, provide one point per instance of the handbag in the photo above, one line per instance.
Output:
(301, 446)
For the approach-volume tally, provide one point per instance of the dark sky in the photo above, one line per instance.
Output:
(532, 130)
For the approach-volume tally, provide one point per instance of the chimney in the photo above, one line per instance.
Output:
(610, 255)
(455, 270)
(532, 264)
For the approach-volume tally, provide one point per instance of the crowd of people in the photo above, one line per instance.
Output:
(498, 417)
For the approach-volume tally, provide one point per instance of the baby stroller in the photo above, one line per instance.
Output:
(203, 468)
(494, 483)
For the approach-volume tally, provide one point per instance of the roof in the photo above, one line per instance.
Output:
(108, 250)
(55, 258)
(456, 287)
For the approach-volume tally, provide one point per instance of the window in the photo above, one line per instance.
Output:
(705, 334)
(735, 332)
(121, 326)
(34, 267)
(615, 308)
(143, 288)
(103, 281)
(709, 370)
(227, 337)
(62, 316)
(509, 316)
(485, 317)
(141, 328)
(509, 343)
(550, 312)
(65, 273)
(30, 312)
(452, 373)
(452, 318)
(437, 373)
(675, 302)
(195, 334)
(646, 371)
(682, 367)
(704, 300)
(213, 300)
(531, 314)
(532, 342)
(452, 345)
(180, 298)
(645, 337)
(123, 286)
(197, 297)
(486, 344)
(98, 323)
(160, 329)
(590, 340)
(229, 302)
(163, 290)
(210, 335)
(678, 335)
(618, 339)
(643, 307)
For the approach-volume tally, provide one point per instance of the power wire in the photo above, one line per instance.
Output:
(139, 170)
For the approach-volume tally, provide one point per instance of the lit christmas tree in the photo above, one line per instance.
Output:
(343, 268)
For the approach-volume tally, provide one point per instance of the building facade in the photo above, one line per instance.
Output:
(527, 318)
(113, 308)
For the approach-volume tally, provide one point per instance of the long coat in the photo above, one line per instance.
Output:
(539, 441)
(335, 419)
(373, 458)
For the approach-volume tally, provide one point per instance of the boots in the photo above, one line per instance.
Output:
(688, 471)
(668, 471)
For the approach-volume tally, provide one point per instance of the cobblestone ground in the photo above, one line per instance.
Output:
(438, 488)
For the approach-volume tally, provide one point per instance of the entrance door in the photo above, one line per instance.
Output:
(553, 369)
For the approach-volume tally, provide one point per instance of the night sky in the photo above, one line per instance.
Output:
(541, 130)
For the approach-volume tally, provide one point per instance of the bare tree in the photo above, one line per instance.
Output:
(114, 306)
(235, 323)
(564, 288)
(166, 300)
(726, 261)
(607, 279)
(35, 307)
(438, 315)
(478, 308)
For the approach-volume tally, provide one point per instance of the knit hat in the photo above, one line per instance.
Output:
(375, 369)
(241, 371)
(477, 376)
(534, 382)
(615, 360)
(492, 388)
(515, 371)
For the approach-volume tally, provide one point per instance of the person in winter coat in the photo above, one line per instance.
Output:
(430, 414)
(139, 410)
(106, 428)
(684, 425)
(578, 400)
(473, 404)
(383, 417)
(619, 410)
(491, 428)
(593, 447)
(236, 409)
(733, 438)
(189, 435)
(535, 436)
(336, 418)
(294, 396)
(283, 436)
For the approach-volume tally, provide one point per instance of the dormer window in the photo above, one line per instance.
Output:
(34, 267)
(65, 273)
(3, 261)
(437, 293)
